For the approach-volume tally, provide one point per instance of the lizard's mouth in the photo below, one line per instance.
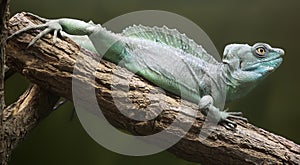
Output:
(271, 59)
(268, 62)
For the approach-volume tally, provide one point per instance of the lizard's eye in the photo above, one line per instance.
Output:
(260, 51)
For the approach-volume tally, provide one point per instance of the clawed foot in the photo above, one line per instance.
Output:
(222, 117)
(229, 124)
(49, 26)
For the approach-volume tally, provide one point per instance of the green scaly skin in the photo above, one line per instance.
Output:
(241, 69)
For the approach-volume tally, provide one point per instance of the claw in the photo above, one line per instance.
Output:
(227, 121)
(235, 113)
(55, 36)
(228, 126)
(40, 18)
(237, 117)
(27, 29)
(40, 35)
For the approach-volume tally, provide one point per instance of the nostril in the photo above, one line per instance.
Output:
(280, 51)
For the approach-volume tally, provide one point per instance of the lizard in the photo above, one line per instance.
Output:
(153, 52)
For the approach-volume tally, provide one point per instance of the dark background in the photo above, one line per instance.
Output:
(273, 105)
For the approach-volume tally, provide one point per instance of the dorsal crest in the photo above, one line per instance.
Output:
(170, 37)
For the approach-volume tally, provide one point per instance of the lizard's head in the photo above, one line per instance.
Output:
(260, 58)
(248, 65)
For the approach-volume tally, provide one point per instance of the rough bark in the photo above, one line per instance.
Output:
(51, 67)
(4, 15)
(20, 117)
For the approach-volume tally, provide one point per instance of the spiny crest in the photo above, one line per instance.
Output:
(170, 37)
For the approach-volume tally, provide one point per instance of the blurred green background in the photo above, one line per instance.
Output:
(273, 105)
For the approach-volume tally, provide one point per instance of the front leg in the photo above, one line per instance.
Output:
(206, 106)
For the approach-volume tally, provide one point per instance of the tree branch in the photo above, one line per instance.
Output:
(20, 117)
(51, 67)
(4, 15)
